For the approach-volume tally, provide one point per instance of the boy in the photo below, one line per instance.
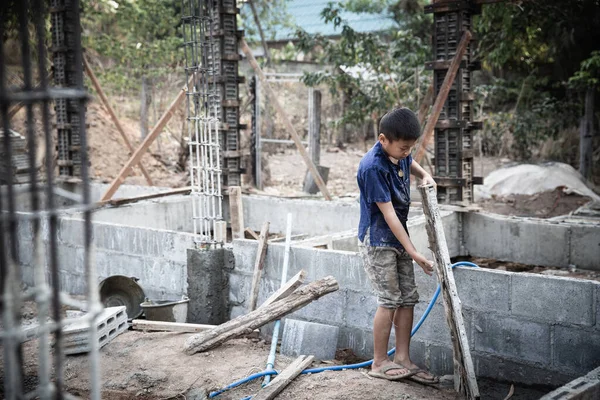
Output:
(384, 181)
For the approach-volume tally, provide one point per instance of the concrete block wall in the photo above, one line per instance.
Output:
(156, 257)
(524, 328)
(532, 241)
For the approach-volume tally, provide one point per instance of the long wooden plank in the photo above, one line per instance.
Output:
(443, 95)
(145, 325)
(283, 379)
(113, 116)
(465, 381)
(246, 323)
(286, 289)
(251, 233)
(236, 212)
(261, 252)
(137, 155)
(119, 202)
(292, 131)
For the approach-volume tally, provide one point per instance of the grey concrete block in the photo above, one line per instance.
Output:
(109, 324)
(71, 231)
(419, 353)
(72, 283)
(553, 299)
(208, 287)
(526, 241)
(483, 289)
(514, 338)
(359, 340)
(585, 246)
(164, 279)
(440, 359)
(426, 285)
(434, 329)
(239, 288)
(597, 307)
(586, 387)
(576, 349)
(505, 370)
(308, 338)
(360, 309)
(327, 309)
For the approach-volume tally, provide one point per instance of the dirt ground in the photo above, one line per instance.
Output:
(152, 366)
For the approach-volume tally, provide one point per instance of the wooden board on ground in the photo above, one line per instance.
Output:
(284, 378)
(246, 323)
(162, 326)
(465, 381)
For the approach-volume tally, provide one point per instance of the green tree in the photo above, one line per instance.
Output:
(377, 70)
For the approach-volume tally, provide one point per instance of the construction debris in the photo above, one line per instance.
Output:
(284, 378)
(16, 168)
(246, 323)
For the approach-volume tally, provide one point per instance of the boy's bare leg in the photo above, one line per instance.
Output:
(382, 326)
(403, 321)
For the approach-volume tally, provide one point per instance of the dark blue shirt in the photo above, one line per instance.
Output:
(382, 181)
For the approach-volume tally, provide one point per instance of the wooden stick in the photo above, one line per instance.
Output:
(425, 105)
(113, 116)
(286, 289)
(145, 325)
(443, 94)
(236, 212)
(283, 379)
(137, 155)
(250, 232)
(120, 202)
(245, 323)
(261, 252)
(311, 166)
(465, 381)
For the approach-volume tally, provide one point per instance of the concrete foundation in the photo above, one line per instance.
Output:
(524, 328)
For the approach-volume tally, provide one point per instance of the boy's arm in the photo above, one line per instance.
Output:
(419, 172)
(387, 209)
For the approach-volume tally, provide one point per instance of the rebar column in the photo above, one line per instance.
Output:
(203, 115)
(454, 129)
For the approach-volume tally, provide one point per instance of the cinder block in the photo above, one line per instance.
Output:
(585, 246)
(71, 231)
(359, 340)
(576, 349)
(516, 338)
(426, 285)
(597, 307)
(553, 299)
(521, 240)
(327, 309)
(110, 323)
(440, 359)
(309, 338)
(482, 289)
(419, 353)
(360, 309)
(583, 388)
(239, 288)
(434, 328)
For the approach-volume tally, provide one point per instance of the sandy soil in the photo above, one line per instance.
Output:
(153, 366)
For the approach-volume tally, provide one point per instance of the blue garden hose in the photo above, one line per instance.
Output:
(349, 366)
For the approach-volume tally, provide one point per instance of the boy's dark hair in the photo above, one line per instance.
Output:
(400, 123)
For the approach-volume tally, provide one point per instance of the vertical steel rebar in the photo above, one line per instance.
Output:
(41, 218)
(203, 118)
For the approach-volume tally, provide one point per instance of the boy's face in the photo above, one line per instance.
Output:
(397, 149)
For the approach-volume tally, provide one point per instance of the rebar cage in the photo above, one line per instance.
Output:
(39, 217)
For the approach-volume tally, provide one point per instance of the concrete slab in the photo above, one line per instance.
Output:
(309, 338)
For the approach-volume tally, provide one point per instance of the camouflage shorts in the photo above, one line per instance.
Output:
(391, 274)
